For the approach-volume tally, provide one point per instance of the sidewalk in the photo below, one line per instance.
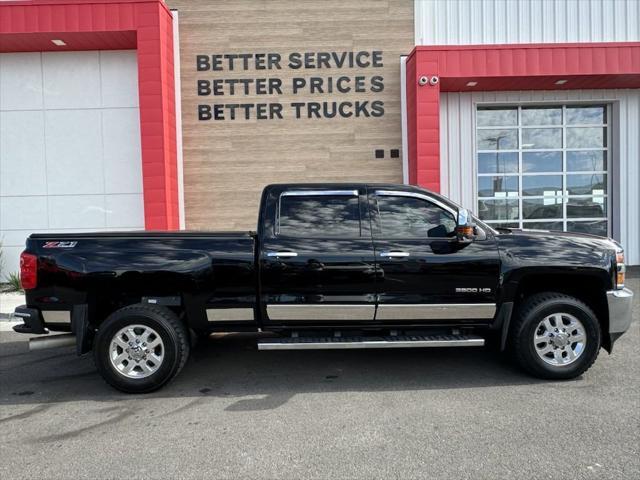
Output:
(8, 302)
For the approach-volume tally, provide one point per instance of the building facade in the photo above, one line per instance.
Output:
(144, 114)
(538, 112)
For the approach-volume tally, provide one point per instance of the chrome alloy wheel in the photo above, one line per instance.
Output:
(136, 351)
(560, 339)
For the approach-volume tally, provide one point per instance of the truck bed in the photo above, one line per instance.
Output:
(192, 270)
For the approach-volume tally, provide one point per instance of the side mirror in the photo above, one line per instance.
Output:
(465, 229)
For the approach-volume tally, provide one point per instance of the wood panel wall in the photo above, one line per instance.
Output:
(227, 163)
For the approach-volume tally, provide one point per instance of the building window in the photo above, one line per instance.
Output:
(544, 167)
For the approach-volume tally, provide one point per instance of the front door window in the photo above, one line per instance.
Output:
(408, 217)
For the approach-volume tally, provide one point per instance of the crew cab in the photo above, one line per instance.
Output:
(330, 266)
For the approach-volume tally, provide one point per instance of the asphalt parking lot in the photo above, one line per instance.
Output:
(237, 412)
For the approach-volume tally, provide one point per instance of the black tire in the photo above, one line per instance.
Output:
(532, 311)
(173, 333)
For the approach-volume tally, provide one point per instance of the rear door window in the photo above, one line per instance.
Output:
(319, 214)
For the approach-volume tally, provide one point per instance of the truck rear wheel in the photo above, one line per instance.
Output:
(139, 348)
(555, 336)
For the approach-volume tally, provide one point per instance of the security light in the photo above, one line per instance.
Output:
(58, 43)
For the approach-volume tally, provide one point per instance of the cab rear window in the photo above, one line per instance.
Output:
(319, 215)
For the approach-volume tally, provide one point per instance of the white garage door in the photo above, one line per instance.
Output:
(69, 145)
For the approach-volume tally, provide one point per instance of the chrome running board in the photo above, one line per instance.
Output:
(399, 341)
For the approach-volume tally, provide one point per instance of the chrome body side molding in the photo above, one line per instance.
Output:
(321, 312)
(230, 314)
(439, 311)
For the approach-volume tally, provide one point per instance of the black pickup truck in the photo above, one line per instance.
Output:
(331, 266)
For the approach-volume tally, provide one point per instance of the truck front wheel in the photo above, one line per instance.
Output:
(555, 336)
(139, 348)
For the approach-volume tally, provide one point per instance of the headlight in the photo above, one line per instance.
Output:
(620, 270)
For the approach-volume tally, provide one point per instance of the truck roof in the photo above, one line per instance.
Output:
(397, 186)
(356, 185)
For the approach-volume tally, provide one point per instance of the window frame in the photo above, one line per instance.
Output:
(377, 232)
(347, 192)
(564, 196)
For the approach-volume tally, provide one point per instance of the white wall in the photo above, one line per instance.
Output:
(457, 154)
(69, 145)
(464, 22)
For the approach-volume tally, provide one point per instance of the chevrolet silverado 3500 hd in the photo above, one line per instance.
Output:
(330, 266)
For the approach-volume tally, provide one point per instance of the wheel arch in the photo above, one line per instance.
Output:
(96, 313)
(588, 288)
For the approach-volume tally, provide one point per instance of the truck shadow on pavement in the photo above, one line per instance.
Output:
(230, 368)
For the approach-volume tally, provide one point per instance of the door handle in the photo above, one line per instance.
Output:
(282, 254)
(395, 254)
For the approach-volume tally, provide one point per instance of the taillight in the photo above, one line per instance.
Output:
(621, 269)
(28, 270)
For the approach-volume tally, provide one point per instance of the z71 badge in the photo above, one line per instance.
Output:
(59, 244)
(472, 290)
